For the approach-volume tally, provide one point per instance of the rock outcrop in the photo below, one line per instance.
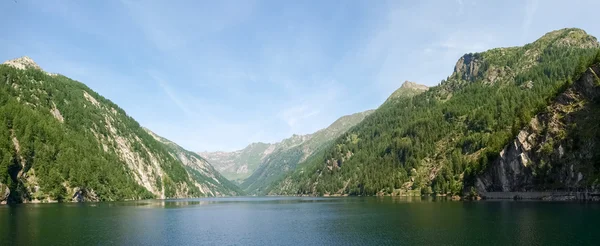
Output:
(413, 86)
(557, 150)
(468, 66)
(23, 63)
(4, 193)
(407, 89)
(84, 195)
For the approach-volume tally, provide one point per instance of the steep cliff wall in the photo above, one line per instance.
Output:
(558, 150)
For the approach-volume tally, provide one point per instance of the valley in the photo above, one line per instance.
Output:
(516, 119)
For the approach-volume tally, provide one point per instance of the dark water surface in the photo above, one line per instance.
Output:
(302, 221)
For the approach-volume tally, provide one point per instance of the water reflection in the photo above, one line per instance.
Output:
(299, 220)
(409, 199)
(164, 203)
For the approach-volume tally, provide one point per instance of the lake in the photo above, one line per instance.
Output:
(302, 221)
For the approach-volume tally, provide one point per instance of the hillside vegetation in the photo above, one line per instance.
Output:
(288, 153)
(440, 140)
(259, 164)
(61, 141)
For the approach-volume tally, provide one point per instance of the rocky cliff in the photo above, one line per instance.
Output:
(468, 67)
(558, 150)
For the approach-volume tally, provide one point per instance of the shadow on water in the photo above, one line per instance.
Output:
(301, 221)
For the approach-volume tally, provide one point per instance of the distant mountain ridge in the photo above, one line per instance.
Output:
(238, 165)
(255, 166)
(296, 150)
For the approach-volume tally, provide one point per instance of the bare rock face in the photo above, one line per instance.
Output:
(510, 171)
(4, 193)
(22, 63)
(557, 145)
(56, 113)
(407, 90)
(468, 67)
(25, 63)
(84, 195)
(588, 83)
(412, 85)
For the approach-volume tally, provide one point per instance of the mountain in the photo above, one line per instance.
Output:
(557, 150)
(61, 141)
(442, 140)
(212, 183)
(257, 165)
(239, 165)
(289, 152)
(408, 89)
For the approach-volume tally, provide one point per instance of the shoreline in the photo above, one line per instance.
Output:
(542, 195)
(482, 196)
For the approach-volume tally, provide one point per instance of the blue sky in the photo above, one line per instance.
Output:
(218, 75)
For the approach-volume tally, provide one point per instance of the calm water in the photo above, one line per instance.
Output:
(302, 221)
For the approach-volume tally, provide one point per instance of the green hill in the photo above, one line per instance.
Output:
(442, 139)
(61, 141)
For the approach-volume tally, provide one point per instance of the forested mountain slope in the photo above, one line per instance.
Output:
(61, 141)
(257, 165)
(558, 150)
(437, 141)
(291, 151)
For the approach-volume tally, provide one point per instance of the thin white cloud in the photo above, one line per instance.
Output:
(530, 10)
(172, 26)
(308, 113)
(294, 114)
(466, 41)
(222, 91)
(461, 6)
(172, 96)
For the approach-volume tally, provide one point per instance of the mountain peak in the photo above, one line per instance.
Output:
(408, 89)
(571, 37)
(23, 63)
(412, 85)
